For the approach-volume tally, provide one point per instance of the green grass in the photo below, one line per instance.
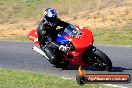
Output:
(114, 36)
(13, 11)
(19, 10)
(21, 79)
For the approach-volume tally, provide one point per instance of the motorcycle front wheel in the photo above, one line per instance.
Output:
(102, 61)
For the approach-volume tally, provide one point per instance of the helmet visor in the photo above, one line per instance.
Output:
(52, 19)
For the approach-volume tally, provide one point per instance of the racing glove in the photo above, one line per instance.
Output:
(64, 48)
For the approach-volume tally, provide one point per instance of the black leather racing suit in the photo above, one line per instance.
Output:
(47, 36)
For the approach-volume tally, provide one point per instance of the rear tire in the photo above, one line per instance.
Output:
(102, 61)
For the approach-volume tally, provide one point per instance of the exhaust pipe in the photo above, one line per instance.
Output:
(36, 49)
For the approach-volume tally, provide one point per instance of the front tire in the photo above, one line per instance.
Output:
(102, 61)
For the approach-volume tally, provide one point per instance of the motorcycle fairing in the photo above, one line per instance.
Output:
(33, 36)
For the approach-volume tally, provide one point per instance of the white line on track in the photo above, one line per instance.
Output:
(116, 86)
(65, 78)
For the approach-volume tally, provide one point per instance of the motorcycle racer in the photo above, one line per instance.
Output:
(47, 33)
(82, 53)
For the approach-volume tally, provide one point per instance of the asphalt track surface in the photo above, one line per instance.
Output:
(20, 56)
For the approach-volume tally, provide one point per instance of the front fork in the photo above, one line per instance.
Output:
(92, 49)
(89, 56)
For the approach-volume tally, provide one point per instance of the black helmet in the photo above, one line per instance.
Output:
(51, 16)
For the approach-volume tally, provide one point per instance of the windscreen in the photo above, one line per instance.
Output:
(71, 30)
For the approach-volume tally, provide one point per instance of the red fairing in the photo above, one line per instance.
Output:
(33, 36)
(81, 44)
